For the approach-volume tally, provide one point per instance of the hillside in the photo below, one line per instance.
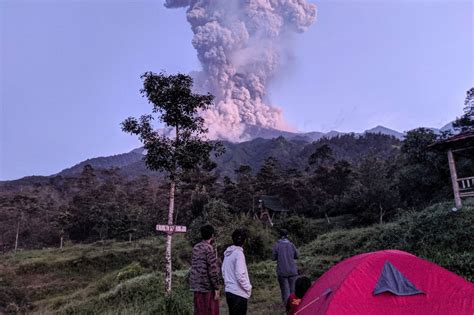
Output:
(371, 178)
(125, 278)
(291, 152)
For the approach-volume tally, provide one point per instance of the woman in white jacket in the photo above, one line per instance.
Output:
(235, 274)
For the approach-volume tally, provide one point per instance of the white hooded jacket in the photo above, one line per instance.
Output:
(234, 272)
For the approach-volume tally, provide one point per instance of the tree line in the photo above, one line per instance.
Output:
(101, 204)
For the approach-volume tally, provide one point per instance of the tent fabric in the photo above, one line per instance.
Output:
(392, 280)
(347, 288)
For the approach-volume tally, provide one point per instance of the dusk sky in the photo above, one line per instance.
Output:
(70, 71)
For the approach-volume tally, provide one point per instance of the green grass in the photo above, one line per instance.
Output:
(126, 278)
(51, 279)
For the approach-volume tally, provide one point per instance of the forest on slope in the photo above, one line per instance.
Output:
(371, 179)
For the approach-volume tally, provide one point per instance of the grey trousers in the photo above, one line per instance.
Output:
(287, 286)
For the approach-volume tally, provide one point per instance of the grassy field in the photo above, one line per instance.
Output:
(125, 278)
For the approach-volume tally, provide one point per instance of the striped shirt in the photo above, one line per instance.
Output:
(204, 275)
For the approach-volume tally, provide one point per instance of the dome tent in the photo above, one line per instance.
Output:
(388, 282)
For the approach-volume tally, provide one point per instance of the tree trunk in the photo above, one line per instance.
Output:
(381, 213)
(169, 237)
(17, 233)
(61, 244)
(327, 217)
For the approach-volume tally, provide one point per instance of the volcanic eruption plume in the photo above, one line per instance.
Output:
(241, 44)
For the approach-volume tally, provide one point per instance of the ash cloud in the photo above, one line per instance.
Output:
(241, 44)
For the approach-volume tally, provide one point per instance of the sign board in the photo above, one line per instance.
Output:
(171, 228)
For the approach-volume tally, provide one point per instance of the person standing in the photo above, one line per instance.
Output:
(204, 275)
(236, 278)
(285, 253)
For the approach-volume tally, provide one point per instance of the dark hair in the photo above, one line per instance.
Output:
(302, 285)
(239, 236)
(283, 233)
(207, 231)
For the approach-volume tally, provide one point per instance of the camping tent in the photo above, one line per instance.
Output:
(388, 282)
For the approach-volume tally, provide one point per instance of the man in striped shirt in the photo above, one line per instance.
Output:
(204, 277)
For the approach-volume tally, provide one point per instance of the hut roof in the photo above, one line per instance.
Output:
(460, 141)
(272, 203)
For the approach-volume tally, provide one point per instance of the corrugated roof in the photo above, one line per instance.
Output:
(273, 203)
(464, 139)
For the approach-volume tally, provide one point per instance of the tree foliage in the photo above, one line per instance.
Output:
(466, 121)
(103, 203)
(178, 108)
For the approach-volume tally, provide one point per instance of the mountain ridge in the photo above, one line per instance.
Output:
(131, 162)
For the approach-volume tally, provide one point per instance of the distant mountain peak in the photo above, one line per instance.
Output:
(386, 131)
(253, 132)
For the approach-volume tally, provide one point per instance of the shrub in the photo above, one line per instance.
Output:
(436, 233)
(216, 213)
(303, 230)
(131, 271)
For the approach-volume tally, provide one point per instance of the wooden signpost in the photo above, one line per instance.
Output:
(171, 229)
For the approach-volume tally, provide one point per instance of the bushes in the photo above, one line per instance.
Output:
(131, 271)
(216, 213)
(12, 299)
(438, 228)
(436, 233)
(302, 230)
(314, 267)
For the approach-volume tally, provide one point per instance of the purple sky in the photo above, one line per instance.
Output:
(69, 71)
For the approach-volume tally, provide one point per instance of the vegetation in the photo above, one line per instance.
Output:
(466, 121)
(126, 278)
(102, 204)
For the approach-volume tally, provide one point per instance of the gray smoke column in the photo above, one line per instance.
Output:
(241, 44)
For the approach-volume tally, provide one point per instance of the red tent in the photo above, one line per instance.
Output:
(388, 282)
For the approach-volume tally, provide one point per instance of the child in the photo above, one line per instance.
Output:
(301, 286)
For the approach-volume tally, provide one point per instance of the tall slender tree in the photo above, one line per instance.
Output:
(178, 108)
(466, 121)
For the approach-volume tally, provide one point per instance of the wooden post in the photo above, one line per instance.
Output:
(454, 179)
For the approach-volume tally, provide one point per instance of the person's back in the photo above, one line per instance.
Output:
(234, 272)
(201, 277)
(236, 278)
(285, 253)
(204, 275)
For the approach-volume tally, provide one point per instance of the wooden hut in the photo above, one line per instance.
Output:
(459, 145)
(269, 206)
